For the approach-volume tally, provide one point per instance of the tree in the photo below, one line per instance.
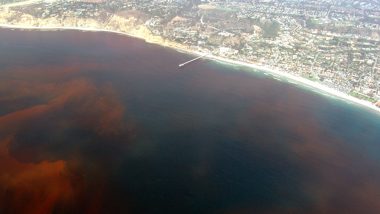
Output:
(271, 29)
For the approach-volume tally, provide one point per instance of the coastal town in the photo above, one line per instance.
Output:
(331, 42)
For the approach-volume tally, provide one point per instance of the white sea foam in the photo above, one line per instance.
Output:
(288, 77)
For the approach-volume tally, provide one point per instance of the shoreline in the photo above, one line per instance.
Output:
(292, 79)
(325, 90)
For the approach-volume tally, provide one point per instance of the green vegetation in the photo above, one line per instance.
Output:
(312, 23)
(271, 29)
(310, 77)
(362, 96)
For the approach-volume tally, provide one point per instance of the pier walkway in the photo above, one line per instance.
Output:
(192, 60)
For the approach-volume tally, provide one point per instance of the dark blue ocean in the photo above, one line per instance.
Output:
(102, 123)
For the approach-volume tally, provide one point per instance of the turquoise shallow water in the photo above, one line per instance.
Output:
(101, 123)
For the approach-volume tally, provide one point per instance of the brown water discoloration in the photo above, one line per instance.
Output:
(107, 124)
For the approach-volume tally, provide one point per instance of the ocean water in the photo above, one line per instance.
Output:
(102, 123)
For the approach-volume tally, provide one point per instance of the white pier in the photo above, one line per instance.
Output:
(190, 61)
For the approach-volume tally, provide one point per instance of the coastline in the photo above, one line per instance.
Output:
(325, 90)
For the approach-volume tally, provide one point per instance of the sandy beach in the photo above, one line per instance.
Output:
(325, 90)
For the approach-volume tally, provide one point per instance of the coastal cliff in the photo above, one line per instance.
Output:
(132, 26)
(117, 23)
